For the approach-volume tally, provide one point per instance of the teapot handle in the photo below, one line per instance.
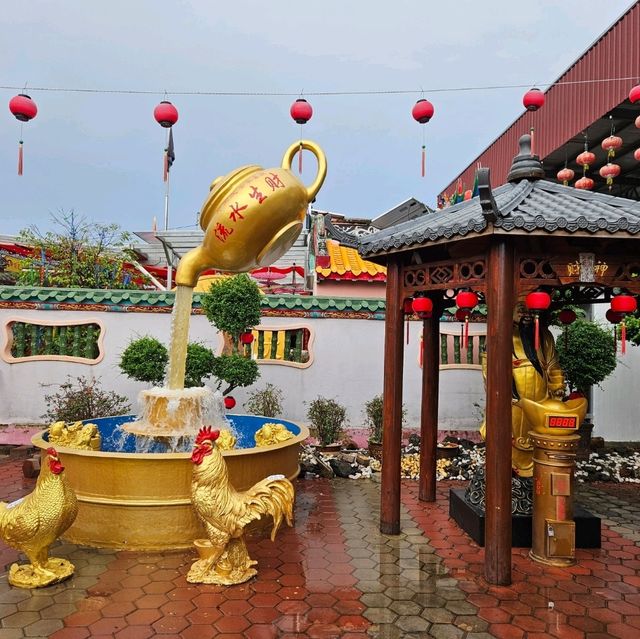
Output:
(297, 147)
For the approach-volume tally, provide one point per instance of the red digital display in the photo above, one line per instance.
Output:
(560, 421)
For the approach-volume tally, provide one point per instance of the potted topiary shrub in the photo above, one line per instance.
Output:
(266, 401)
(327, 419)
(587, 355)
(373, 419)
(145, 359)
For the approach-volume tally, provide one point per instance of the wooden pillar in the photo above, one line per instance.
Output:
(429, 408)
(500, 303)
(392, 408)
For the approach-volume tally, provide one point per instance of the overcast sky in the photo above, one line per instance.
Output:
(101, 154)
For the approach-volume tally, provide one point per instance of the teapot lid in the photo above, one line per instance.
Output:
(220, 188)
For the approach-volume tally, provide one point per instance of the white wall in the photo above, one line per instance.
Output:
(616, 405)
(347, 366)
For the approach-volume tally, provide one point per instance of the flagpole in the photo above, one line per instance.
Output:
(166, 211)
(166, 227)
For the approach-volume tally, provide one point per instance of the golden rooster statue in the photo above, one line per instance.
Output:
(33, 523)
(225, 512)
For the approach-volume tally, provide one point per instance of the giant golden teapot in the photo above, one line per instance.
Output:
(252, 217)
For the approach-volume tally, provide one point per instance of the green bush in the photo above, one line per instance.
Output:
(632, 323)
(328, 419)
(267, 402)
(233, 305)
(587, 356)
(235, 370)
(145, 359)
(200, 364)
(83, 399)
(373, 411)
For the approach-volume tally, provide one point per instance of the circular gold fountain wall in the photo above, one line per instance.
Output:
(142, 501)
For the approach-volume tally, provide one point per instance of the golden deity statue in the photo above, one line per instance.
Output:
(538, 380)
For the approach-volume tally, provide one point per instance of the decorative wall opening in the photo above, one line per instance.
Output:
(453, 353)
(285, 345)
(78, 341)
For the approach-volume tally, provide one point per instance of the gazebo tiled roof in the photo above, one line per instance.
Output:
(523, 205)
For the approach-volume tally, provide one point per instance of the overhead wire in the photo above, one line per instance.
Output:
(420, 90)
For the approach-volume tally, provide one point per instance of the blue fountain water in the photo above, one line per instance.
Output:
(117, 440)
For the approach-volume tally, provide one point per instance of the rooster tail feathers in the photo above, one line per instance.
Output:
(273, 497)
(283, 496)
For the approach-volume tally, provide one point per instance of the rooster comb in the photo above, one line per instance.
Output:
(206, 433)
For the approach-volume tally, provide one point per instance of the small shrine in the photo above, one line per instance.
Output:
(529, 241)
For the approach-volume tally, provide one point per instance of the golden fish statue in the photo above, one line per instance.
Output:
(75, 435)
(252, 217)
(271, 433)
(33, 523)
(224, 559)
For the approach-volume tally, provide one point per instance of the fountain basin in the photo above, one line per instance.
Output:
(142, 501)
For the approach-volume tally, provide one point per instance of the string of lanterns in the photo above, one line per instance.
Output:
(25, 109)
(611, 144)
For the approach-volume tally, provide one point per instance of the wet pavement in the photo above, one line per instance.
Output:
(335, 575)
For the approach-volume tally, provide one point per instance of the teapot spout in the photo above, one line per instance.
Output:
(190, 267)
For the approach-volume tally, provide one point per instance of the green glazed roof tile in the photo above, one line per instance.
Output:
(162, 298)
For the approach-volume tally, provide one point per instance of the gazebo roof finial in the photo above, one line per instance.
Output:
(525, 166)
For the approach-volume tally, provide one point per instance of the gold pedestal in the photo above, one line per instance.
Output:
(553, 528)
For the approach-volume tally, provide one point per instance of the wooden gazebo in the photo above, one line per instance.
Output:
(525, 235)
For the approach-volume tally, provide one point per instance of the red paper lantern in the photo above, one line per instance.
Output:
(624, 303)
(422, 112)
(229, 402)
(537, 301)
(613, 316)
(565, 175)
(609, 171)
(585, 159)
(423, 306)
(634, 94)
(24, 109)
(301, 111)
(584, 183)
(466, 300)
(567, 316)
(246, 338)
(638, 122)
(636, 155)
(166, 114)
(611, 145)
(533, 99)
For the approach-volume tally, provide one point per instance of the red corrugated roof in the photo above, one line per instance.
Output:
(570, 108)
